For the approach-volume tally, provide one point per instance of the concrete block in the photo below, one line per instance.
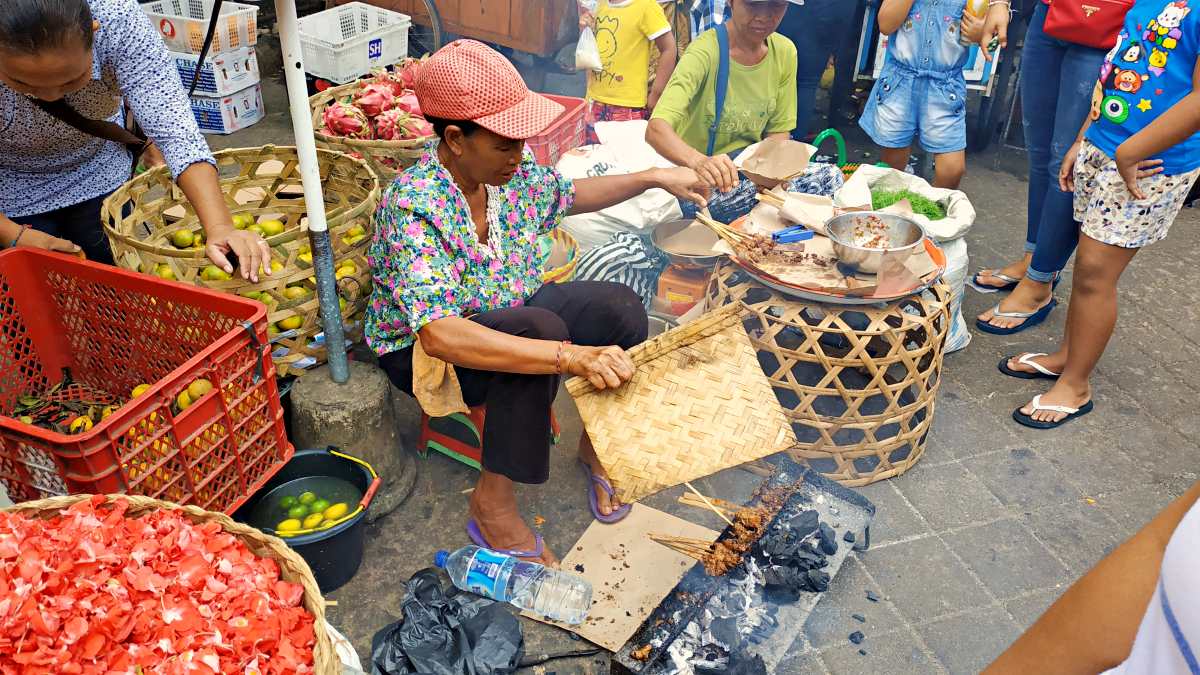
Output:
(358, 417)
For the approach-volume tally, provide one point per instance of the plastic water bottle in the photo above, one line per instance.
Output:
(531, 586)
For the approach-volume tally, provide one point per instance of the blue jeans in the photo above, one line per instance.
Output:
(819, 28)
(1056, 95)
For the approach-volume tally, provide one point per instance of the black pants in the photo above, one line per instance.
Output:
(79, 224)
(516, 433)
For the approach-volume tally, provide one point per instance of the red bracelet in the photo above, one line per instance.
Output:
(558, 363)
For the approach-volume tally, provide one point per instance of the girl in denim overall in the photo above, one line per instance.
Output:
(921, 90)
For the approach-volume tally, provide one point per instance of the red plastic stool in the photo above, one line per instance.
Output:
(460, 436)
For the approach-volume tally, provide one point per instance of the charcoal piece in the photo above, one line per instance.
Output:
(738, 664)
(818, 581)
(848, 537)
(725, 632)
(805, 523)
(863, 652)
(857, 637)
(827, 536)
(859, 618)
(872, 597)
(579, 568)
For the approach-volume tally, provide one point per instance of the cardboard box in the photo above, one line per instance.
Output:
(222, 74)
(227, 114)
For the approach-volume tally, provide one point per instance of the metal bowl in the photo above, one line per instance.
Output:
(686, 243)
(905, 237)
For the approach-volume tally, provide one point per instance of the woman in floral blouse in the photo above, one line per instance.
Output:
(456, 266)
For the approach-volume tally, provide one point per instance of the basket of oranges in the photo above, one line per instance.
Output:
(154, 230)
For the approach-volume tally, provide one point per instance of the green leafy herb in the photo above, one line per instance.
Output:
(881, 199)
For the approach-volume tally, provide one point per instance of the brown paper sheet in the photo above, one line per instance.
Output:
(768, 163)
(630, 574)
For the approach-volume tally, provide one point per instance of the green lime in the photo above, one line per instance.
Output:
(318, 506)
(287, 502)
(307, 498)
(298, 511)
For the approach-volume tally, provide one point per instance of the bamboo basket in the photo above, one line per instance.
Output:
(386, 158)
(566, 243)
(697, 404)
(265, 183)
(858, 384)
(291, 566)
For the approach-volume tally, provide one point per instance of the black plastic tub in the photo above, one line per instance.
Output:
(334, 554)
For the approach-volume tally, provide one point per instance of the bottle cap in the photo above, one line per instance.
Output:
(440, 558)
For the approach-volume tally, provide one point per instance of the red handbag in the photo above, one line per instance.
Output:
(1092, 23)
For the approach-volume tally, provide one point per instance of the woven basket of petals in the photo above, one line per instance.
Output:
(123, 583)
(376, 139)
(153, 229)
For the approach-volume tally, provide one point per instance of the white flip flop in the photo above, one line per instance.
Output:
(1071, 413)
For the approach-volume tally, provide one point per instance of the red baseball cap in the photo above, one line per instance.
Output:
(467, 80)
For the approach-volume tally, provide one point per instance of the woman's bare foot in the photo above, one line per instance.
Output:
(1059, 395)
(587, 455)
(493, 507)
(1015, 270)
(1052, 362)
(1029, 296)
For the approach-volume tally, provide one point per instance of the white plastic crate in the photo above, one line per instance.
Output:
(227, 114)
(184, 23)
(344, 43)
(222, 74)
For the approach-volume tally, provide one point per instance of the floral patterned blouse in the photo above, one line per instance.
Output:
(427, 262)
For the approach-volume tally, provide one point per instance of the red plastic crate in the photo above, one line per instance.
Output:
(114, 330)
(567, 132)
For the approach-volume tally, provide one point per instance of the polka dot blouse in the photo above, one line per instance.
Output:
(47, 165)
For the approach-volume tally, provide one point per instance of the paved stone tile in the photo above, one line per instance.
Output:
(967, 644)
(1146, 449)
(1080, 534)
(1134, 508)
(896, 654)
(831, 620)
(948, 496)
(1028, 608)
(1095, 469)
(802, 664)
(894, 518)
(1021, 479)
(1007, 558)
(923, 579)
(958, 431)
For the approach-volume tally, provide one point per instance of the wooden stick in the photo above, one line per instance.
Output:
(730, 235)
(688, 499)
(708, 503)
(770, 198)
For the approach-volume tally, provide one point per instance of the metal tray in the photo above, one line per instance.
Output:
(842, 508)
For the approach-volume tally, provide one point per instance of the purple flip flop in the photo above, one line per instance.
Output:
(614, 517)
(476, 536)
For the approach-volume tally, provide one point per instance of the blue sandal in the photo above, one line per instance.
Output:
(1071, 413)
(1031, 319)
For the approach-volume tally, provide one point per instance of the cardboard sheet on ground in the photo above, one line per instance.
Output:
(630, 574)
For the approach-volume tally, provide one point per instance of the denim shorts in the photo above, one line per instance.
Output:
(906, 104)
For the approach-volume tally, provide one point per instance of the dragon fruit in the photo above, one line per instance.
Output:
(407, 71)
(398, 125)
(345, 119)
(374, 98)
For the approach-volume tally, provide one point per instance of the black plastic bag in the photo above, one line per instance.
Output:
(447, 633)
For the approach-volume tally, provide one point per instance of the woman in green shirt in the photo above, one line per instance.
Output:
(760, 101)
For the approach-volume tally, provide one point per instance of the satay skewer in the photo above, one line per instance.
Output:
(709, 504)
(731, 236)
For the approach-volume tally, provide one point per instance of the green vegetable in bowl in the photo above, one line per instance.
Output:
(881, 199)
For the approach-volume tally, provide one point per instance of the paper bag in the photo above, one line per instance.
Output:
(856, 195)
(771, 162)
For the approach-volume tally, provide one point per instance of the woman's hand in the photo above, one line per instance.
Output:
(684, 183)
(1066, 174)
(995, 29)
(604, 367)
(971, 27)
(153, 158)
(1133, 170)
(717, 172)
(251, 250)
(38, 239)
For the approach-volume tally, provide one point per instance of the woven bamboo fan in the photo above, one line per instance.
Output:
(260, 185)
(698, 404)
(386, 158)
(858, 383)
(291, 566)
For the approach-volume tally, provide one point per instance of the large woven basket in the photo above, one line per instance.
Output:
(386, 158)
(698, 404)
(859, 384)
(291, 566)
(261, 182)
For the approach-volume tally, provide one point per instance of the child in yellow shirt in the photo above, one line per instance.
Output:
(625, 31)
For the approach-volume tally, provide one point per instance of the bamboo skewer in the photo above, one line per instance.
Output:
(731, 236)
(728, 508)
(770, 198)
(708, 503)
(696, 549)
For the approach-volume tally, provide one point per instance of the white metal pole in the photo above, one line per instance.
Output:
(314, 199)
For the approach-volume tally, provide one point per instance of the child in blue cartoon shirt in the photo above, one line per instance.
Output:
(1137, 157)
(921, 90)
